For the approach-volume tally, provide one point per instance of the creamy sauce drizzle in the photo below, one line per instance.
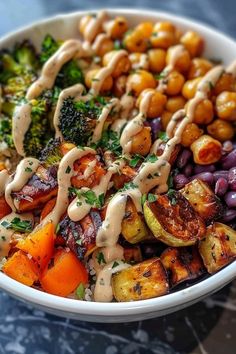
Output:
(20, 124)
(4, 180)
(94, 25)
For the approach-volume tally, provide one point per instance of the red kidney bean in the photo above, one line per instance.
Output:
(229, 160)
(221, 187)
(205, 168)
(229, 215)
(220, 174)
(188, 170)
(204, 176)
(183, 158)
(180, 180)
(230, 199)
(156, 127)
(232, 178)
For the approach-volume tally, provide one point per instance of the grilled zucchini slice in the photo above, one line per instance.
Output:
(203, 200)
(172, 220)
(218, 248)
(145, 280)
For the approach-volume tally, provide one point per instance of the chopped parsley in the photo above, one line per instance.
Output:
(79, 242)
(110, 141)
(163, 136)
(89, 196)
(170, 182)
(18, 225)
(151, 158)
(172, 197)
(160, 76)
(115, 264)
(135, 160)
(100, 258)
(127, 186)
(80, 291)
(28, 169)
(68, 169)
(152, 197)
(3, 238)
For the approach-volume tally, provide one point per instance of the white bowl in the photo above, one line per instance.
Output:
(66, 26)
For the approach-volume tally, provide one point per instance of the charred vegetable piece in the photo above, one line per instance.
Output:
(52, 153)
(126, 175)
(133, 227)
(142, 281)
(133, 254)
(173, 221)
(40, 188)
(161, 149)
(218, 247)
(203, 200)
(182, 264)
(21, 268)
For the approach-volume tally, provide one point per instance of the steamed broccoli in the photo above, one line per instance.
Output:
(6, 131)
(25, 54)
(70, 73)
(78, 119)
(51, 154)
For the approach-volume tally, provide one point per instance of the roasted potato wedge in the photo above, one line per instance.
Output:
(133, 227)
(172, 220)
(203, 200)
(218, 248)
(40, 188)
(141, 281)
(182, 264)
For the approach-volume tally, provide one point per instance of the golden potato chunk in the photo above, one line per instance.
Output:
(141, 281)
(206, 150)
(182, 264)
(173, 220)
(218, 248)
(203, 200)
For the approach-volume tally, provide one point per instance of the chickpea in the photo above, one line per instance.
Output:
(135, 42)
(191, 133)
(123, 65)
(139, 61)
(221, 130)
(199, 67)
(165, 119)
(157, 103)
(225, 83)
(175, 103)
(145, 28)
(117, 27)
(163, 35)
(190, 88)
(84, 23)
(226, 105)
(141, 142)
(157, 59)
(91, 76)
(193, 43)
(175, 82)
(183, 62)
(204, 112)
(106, 46)
(206, 150)
(119, 86)
(139, 81)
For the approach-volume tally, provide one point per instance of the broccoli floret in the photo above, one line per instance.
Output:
(39, 131)
(70, 74)
(78, 119)
(51, 154)
(25, 54)
(6, 131)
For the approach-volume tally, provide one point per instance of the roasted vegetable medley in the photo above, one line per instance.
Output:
(117, 161)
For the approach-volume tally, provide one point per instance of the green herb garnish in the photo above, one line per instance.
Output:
(100, 258)
(80, 291)
(18, 225)
(152, 197)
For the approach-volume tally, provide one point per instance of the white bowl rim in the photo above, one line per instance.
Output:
(163, 303)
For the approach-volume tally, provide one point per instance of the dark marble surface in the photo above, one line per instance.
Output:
(208, 327)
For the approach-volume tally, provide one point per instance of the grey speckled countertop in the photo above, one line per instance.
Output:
(208, 327)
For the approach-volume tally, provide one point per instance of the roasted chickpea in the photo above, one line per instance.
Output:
(183, 62)
(226, 105)
(225, 83)
(145, 28)
(163, 35)
(221, 130)
(190, 88)
(193, 43)
(206, 150)
(106, 46)
(139, 61)
(204, 112)
(84, 23)
(199, 67)
(175, 82)
(175, 103)
(141, 142)
(91, 76)
(134, 41)
(139, 81)
(157, 59)
(119, 86)
(157, 103)
(123, 65)
(191, 133)
(117, 27)
(165, 118)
